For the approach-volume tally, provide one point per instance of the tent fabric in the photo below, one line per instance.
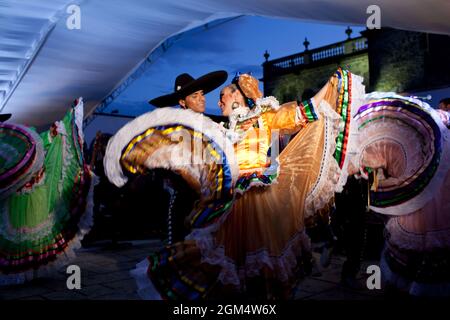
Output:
(44, 64)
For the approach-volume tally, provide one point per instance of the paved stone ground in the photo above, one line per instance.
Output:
(105, 276)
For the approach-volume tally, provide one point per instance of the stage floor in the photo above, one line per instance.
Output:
(105, 276)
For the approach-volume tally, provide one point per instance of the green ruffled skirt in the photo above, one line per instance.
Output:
(43, 220)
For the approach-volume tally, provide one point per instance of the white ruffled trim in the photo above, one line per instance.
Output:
(325, 186)
(161, 117)
(438, 179)
(60, 128)
(269, 101)
(146, 289)
(445, 117)
(332, 178)
(282, 266)
(412, 287)
(243, 113)
(357, 100)
(430, 240)
(84, 226)
(67, 154)
(78, 115)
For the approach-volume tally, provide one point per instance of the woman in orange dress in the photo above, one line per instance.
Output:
(248, 226)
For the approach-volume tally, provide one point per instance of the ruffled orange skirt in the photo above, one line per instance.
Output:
(260, 246)
(265, 230)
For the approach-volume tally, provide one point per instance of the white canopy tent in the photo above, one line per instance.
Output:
(44, 65)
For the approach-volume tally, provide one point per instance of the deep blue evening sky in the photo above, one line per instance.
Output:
(237, 45)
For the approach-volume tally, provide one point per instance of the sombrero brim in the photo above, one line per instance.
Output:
(4, 117)
(207, 83)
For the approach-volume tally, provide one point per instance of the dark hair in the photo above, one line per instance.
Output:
(233, 87)
(445, 101)
(308, 94)
(235, 81)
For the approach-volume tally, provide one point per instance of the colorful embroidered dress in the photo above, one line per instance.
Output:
(248, 232)
(44, 186)
(406, 144)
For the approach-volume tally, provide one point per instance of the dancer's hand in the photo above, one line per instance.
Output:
(249, 85)
(247, 124)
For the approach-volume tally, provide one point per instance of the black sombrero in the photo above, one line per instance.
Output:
(4, 117)
(185, 85)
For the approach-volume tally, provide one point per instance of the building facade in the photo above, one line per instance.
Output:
(388, 59)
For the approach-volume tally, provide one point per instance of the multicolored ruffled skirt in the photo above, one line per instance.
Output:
(406, 144)
(249, 244)
(44, 190)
